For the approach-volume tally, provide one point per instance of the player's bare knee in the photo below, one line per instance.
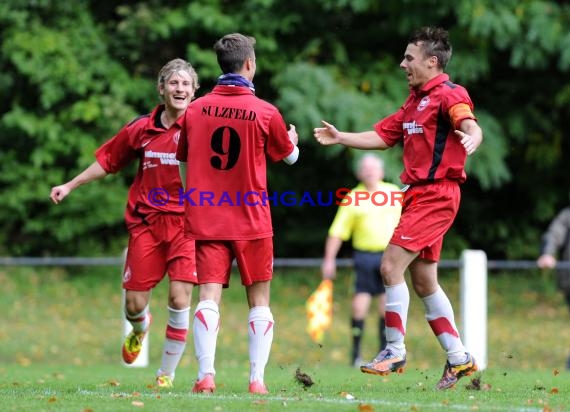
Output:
(135, 302)
(179, 301)
(386, 271)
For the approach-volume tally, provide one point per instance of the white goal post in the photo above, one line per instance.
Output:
(473, 301)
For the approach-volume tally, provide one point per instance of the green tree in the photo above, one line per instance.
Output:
(67, 95)
(75, 72)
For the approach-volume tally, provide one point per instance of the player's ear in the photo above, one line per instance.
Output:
(433, 61)
(250, 63)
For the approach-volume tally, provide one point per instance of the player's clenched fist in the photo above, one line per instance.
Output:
(58, 193)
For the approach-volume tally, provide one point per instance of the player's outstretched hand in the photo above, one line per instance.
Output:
(326, 135)
(293, 136)
(467, 142)
(58, 193)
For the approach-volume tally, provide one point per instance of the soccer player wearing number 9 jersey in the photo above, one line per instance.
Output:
(227, 135)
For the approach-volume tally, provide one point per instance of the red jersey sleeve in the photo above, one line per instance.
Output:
(118, 151)
(278, 146)
(390, 128)
(458, 98)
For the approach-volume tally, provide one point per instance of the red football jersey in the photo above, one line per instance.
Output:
(157, 185)
(226, 136)
(432, 151)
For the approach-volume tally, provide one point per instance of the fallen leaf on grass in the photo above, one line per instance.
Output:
(52, 399)
(117, 395)
(476, 385)
(556, 372)
(554, 390)
(303, 378)
(365, 407)
(23, 361)
(114, 382)
(137, 403)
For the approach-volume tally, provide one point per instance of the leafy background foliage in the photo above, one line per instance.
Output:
(72, 73)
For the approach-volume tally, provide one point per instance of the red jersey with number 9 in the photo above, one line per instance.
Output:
(225, 139)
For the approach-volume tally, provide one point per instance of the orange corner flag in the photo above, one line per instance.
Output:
(319, 310)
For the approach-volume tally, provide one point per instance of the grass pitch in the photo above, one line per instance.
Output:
(335, 388)
(60, 339)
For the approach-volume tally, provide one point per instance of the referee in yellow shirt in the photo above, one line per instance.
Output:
(370, 227)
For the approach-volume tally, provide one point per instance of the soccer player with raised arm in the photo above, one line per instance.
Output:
(157, 244)
(227, 136)
(438, 130)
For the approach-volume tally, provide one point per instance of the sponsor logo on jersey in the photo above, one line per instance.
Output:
(148, 164)
(165, 158)
(413, 128)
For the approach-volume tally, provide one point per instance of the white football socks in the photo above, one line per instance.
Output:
(141, 321)
(175, 340)
(439, 314)
(206, 326)
(397, 305)
(260, 332)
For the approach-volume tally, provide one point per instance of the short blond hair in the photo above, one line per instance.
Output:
(175, 66)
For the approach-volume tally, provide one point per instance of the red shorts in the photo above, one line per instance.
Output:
(254, 259)
(156, 249)
(427, 214)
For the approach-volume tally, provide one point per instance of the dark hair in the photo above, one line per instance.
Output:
(233, 50)
(434, 41)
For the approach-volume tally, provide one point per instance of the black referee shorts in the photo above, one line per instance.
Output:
(367, 268)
